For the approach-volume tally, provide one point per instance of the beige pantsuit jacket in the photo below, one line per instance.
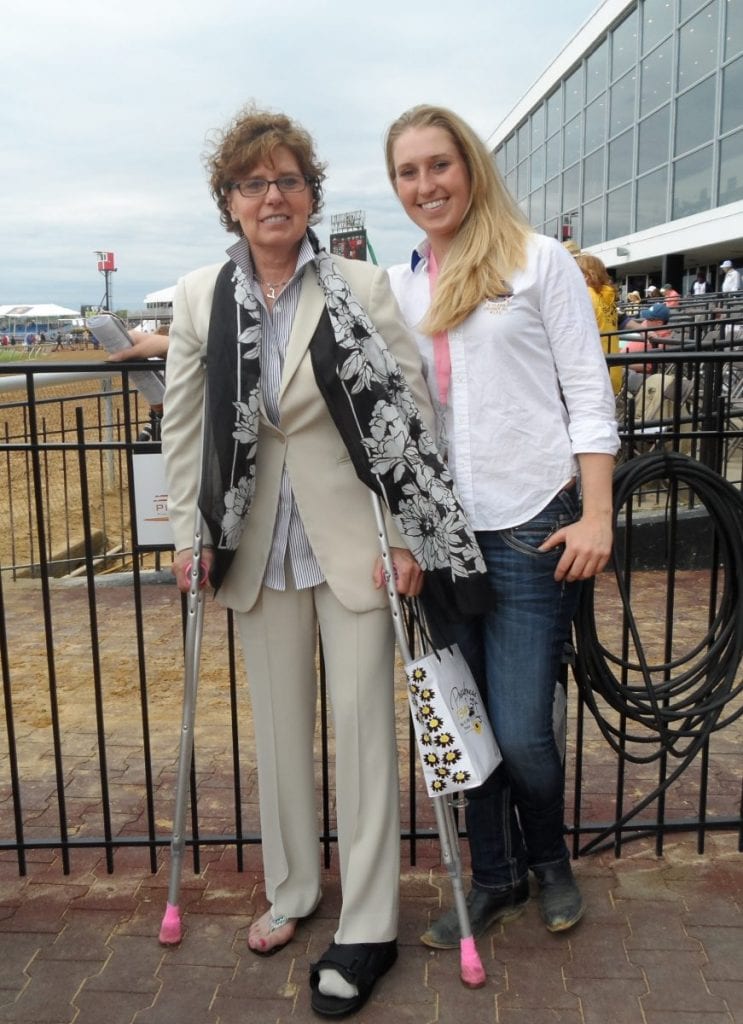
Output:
(334, 505)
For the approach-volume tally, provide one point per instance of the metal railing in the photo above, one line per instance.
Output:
(90, 630)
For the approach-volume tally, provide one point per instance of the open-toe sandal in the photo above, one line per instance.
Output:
(361, 963)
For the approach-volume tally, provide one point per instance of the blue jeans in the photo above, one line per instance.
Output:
(515, 820)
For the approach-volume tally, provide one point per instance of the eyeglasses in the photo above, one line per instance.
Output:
(252, 188)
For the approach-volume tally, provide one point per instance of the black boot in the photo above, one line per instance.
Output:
(560, 901)
(484, 908)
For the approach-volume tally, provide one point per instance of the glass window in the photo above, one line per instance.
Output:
(655, 85)
(570, 188)
(553, 159)
(731, 169)
(657, 22)
(733, 27)
(695, 116)
(624, 45)
(522, 179)
(574, 93)
(732, 95)
(687, 7)
(618, 212)
(596, 66)
(554, 112)
(595, 123)
(510, 152)
(593, 174)
(652, 195)
(698, 46)
(692, 183)
(550, 229)
(537, 127)
(622, 103)
(570, 226)
(500, 159)
(620, 158)
(592, 226)
(523, 143)
(537, 168)
(552, 196)
(571, 134)
(536, 207)
(511, 183)
(653, 140)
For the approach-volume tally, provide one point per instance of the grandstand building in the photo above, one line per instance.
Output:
(631, 142)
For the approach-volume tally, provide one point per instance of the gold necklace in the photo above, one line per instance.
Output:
(270, 289)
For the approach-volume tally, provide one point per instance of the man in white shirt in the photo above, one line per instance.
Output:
(731, 282)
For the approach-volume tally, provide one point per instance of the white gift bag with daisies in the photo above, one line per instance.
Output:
(456, 743)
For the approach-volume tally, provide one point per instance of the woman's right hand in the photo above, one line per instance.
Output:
(181, 568)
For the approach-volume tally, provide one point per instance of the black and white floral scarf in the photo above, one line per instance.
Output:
(374, 411)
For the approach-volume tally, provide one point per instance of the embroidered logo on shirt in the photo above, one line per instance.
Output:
(499, 305)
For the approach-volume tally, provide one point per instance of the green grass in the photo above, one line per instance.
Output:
(18, 354)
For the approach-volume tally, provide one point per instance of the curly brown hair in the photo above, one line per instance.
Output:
(250, 138)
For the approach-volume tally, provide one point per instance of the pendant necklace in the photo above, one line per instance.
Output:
(271, 289)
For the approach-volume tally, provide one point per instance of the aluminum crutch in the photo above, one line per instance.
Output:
(471, 970)
(170, 928)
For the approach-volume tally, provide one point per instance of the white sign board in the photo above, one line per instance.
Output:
(151, 500)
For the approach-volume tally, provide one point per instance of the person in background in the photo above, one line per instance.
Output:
(310, 382)
(525, 415)
(670, 296)
(146, 345)
(701, 285)
(731, 281)
(604, 301)
(655, 319)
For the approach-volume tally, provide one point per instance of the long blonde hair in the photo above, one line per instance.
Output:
(490, 244)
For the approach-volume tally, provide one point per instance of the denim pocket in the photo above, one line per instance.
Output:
(529, 536)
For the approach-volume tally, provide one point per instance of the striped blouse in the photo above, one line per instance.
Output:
(290, 545)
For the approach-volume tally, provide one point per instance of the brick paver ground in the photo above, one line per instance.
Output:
(661, 942)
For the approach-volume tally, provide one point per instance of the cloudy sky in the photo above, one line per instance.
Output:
(105, 109)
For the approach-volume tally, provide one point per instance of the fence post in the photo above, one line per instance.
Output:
(108, 432)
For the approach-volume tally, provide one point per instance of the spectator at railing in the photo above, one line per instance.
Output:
(670, 296)
(701, 285)
(731, 281)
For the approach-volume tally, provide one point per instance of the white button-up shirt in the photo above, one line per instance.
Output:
(529, 386)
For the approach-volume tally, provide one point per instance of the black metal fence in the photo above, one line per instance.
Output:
(91, 627)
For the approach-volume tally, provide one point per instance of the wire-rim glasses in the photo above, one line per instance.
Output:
(253, 188)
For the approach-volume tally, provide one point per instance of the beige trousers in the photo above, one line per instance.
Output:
(279, 642)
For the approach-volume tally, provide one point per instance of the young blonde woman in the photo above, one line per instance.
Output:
(525, 416)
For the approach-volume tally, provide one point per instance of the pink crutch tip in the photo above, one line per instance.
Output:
(471, 971)
(170, 929)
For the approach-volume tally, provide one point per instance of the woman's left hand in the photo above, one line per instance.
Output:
(587, 548)
(408, 574)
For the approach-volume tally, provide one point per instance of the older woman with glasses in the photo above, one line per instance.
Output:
(310, 381)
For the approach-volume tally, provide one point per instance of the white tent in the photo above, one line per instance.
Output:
(163, 297)
(39, 311)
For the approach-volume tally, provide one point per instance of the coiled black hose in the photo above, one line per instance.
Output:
(673, 706)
